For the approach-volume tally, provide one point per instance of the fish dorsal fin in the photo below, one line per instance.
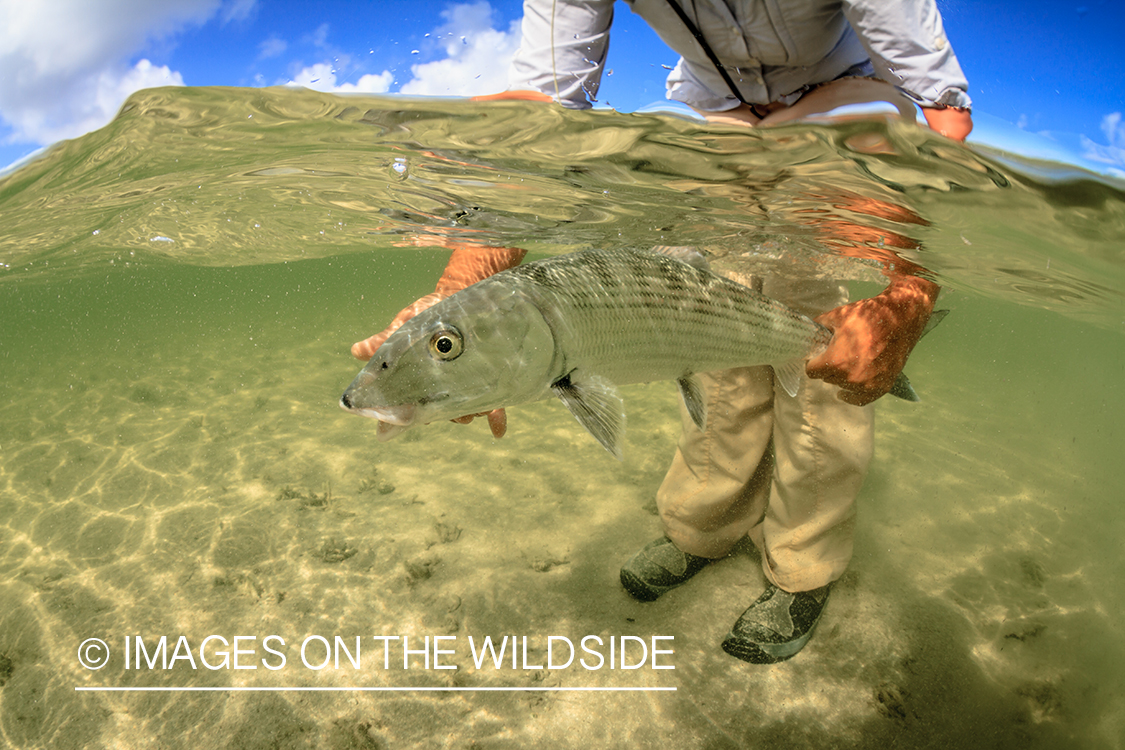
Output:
(596, 404)
(789, 375)
(692, 393)
(684, 254)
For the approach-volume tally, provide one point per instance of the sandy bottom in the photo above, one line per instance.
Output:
(193, 479)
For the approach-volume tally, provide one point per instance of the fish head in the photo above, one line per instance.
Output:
(471, 353)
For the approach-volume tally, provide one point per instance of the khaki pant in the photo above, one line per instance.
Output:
(784, 470)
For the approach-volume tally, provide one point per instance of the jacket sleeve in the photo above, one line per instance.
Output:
(563, 49)
(907, 44)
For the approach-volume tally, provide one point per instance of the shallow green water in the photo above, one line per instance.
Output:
(177, 297)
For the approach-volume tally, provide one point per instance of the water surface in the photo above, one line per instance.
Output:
(178, 292)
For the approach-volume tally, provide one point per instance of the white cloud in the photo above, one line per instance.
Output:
(370, 84)
(322, 77)
(476, 59)
(477, 55)
(1113, 153)
(238, 10)
(66, 64)
(272, 47)
(1114, 129)
(319, 37)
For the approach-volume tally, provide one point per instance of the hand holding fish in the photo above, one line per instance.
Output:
(365, 349)
(579, 325)
(873, 338)
(468, 264)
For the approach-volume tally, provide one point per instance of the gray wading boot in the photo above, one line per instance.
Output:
(659, 567)
(776, 626)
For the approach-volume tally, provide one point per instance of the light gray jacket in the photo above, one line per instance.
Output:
(772, 49)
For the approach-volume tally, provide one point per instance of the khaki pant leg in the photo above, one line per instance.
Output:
(718, 483)
(797, 507)
(822, 448)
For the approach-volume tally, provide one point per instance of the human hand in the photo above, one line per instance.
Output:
(873, 338)
(468, 264)
(365, 349)
(952, 122)
(513, 95)
(497, 419)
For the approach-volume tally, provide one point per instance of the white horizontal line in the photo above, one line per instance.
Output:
(188, 689)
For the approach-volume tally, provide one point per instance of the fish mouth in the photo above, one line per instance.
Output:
(399, 416)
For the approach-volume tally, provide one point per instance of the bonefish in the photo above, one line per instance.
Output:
(577, 326)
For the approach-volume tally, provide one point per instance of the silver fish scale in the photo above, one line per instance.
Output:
(635, 316)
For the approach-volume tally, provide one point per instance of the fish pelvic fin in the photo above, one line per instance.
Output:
(694, 399)
(789, 374)
(596, 404)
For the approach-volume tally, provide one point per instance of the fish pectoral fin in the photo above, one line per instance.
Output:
(596, 404)
(789, 375)
(694, 399)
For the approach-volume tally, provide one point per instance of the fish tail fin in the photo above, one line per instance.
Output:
(935, 317)
(789, 374)
(902, 387)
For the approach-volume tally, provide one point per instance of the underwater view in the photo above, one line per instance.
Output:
(179, 292)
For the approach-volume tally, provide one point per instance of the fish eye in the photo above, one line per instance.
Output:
(446, 344)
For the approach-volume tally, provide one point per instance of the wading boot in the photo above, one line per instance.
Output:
(776, 626)
(659, 567)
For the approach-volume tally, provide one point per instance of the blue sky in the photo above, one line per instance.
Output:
(1046, 78)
